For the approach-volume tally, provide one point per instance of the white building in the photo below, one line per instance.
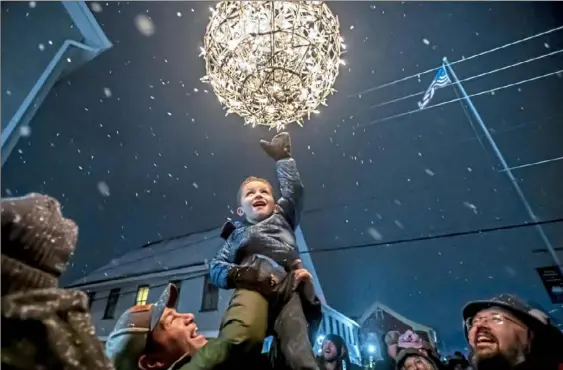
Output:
(42, 42)
(140, 276)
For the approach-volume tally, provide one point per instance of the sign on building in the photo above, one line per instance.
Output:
(553, 282)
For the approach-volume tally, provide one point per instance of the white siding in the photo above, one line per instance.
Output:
(191, 294)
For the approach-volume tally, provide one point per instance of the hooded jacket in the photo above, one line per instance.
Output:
(342, 354)
(272, 238)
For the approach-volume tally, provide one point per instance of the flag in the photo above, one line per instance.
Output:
(440, 80)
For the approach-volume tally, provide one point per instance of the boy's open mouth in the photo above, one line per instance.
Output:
(259, 203)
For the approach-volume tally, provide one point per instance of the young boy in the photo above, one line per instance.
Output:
(258, 259)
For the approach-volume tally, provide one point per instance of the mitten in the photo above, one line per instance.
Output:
(279, 147)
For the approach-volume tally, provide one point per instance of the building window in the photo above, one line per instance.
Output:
(210, 297)
(111, 304)
(91, 297)
(142, 295)
(178, 285)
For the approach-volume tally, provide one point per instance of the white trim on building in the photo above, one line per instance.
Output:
(94, 43)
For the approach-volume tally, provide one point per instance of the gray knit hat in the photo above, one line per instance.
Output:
(37, 242)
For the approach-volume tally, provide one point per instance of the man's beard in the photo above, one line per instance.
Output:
(500, 360)
(330, 358)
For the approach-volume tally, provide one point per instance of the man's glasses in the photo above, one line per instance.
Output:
(495, 319)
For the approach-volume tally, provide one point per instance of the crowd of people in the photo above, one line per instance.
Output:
(503, 333)
(46, 327)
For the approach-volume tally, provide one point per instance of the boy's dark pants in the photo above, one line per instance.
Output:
(293, 335)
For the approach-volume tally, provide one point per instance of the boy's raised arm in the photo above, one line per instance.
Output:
(291, 187)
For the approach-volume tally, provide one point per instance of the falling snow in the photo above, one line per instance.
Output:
(375, 234)
(25, 131)
(426, 41)
(96, 7)
(144, 25)
(103, 188)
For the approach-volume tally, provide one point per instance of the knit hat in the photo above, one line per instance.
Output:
(404, 354)
(410, 339)
(37, 242)
(392, 337)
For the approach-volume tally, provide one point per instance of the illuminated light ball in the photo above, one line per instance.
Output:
(272, 62)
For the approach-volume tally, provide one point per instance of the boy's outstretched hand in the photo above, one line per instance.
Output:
(279, 147)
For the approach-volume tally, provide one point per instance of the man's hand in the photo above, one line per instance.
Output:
(301, 274)
(279, 147)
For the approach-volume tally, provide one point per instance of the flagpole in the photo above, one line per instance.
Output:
(506, 169)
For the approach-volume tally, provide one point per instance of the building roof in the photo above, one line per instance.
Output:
(414, 325)
(168, 254)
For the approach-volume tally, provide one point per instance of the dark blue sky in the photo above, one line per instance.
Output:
(158, 159)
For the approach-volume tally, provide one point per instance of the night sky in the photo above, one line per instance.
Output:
(137, 149)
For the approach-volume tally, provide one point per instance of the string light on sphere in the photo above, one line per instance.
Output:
(272, 62)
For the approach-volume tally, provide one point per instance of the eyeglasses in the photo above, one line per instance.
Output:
(495, 319)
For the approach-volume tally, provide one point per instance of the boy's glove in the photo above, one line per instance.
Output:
(250, 278)
(279, 147)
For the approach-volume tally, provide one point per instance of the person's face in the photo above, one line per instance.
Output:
(417, 363)
(495, 332)
(174, 336)
(330, 352)
(392, 350)
(257, 201)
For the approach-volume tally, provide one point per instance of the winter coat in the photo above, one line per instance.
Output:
(343, 356)
(49, 329)
(273, 237)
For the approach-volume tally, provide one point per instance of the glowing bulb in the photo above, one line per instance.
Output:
(261, 74)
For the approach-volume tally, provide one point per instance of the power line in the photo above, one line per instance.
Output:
(454, 100)
(534, 164)
(438, 236)
(472, 77)
(400, 241)
(458, 61)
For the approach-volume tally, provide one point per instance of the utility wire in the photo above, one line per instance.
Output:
(437, 236)
(458, 61)
(394, 242)
(454, 100)
(472, 77)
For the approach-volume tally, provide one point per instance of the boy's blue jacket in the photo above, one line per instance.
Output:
(273, 237)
